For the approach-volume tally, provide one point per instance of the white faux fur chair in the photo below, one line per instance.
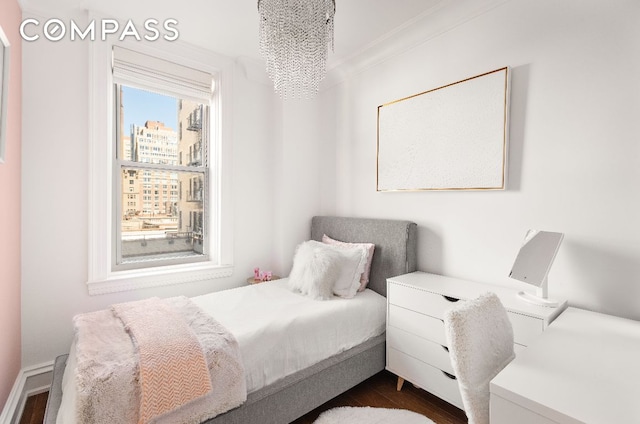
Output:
(480, 340)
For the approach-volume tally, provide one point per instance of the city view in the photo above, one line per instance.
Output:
(162, 176)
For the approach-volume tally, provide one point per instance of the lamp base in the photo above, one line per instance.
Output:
(537, 300)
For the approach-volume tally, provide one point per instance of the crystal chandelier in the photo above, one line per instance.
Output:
(294, 38)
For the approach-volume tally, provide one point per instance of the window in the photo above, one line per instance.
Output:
(141, 146)
(147, 142)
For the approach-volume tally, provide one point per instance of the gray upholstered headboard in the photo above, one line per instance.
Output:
(395, 241)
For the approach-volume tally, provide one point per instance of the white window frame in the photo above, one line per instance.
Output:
(119, 164)
(101, 276)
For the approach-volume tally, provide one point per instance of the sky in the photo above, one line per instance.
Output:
(141, 106)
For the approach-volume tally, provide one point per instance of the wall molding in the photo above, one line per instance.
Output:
(159, 277)
(253, 70)
(30, 380)
(432, 23)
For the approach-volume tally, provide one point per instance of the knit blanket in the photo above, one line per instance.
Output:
(155, 361)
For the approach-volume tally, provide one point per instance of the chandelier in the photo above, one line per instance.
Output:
(294, 38)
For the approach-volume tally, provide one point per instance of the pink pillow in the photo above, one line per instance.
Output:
(364, 279)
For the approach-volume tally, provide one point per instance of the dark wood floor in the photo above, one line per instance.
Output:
(378, 391)
(34, 409)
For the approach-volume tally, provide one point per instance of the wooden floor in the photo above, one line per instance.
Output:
(34, 409)
(378, 391)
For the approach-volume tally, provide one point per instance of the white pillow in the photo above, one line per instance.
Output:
(320, 270)
(364, 278)
(352, 263)
(315, 270)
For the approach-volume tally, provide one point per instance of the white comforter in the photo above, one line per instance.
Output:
(279, 332)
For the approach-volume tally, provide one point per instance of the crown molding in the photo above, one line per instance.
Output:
(252, 69)
(440, 19)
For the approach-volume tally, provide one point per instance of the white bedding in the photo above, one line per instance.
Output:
(279, 332)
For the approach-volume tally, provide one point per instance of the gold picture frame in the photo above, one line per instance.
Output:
(453, 137)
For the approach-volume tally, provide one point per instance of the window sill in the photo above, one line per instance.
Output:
(146, 278)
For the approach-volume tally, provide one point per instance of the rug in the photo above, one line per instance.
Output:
(368, 415)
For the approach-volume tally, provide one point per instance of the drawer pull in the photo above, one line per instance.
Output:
(450, 299)
(450, 376)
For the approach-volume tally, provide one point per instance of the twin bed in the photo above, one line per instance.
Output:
(288, 376)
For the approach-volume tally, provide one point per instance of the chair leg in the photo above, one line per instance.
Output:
(400, 383)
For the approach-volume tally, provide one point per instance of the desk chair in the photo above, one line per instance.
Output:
(480, 339)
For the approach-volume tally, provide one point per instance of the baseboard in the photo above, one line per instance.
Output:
(12, 402)
(30, 381)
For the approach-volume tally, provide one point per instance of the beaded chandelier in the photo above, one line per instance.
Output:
(294, 38)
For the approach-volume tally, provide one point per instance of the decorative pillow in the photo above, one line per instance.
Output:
(315, 270)
(352, 263)
(370, 247)
(320, 270)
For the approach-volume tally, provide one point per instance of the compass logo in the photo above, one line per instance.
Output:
(56, 29)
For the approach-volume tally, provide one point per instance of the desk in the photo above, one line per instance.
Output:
(584, 369)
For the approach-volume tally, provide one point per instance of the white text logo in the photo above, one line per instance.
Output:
(55, 30)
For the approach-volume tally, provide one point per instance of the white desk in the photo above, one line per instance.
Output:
(584, 369)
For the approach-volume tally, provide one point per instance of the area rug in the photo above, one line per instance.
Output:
(368, 415)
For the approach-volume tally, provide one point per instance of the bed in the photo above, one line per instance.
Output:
(296, 394)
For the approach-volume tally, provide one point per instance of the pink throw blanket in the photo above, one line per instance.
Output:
(155, 361)
(172, 367)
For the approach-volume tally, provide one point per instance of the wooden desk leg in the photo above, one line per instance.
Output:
(400, 383)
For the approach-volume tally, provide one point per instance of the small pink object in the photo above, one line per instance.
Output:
(266, 276)
(256, 273)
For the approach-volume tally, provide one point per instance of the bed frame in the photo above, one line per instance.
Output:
(295, 395)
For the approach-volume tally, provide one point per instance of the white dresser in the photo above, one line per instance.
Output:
(416, 343)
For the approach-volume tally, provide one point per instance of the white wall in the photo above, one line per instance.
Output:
(304, 180)
(55, 198)
(10, 212)
(573, 163)
(574, 150)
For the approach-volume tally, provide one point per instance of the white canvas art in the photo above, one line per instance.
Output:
(450, 138)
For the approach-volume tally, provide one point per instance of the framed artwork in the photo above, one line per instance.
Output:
(4, 94)
(452, 137)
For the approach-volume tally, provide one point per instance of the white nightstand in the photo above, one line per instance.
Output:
(416, 343)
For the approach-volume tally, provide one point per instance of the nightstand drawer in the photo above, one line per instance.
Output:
(419, 300)
(525, 328)
(425, 376)
(422, 349)
(421, 325)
